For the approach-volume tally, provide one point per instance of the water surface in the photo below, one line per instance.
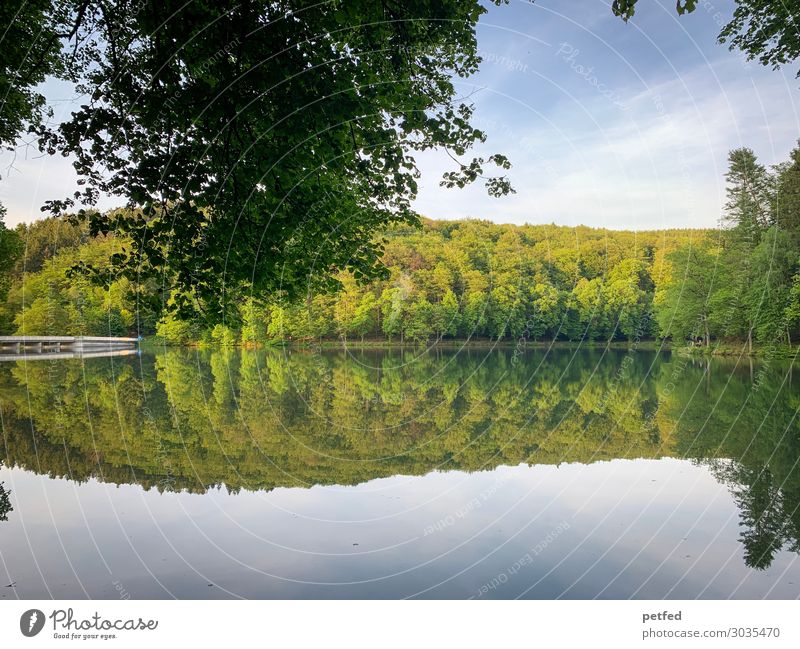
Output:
(391, 474)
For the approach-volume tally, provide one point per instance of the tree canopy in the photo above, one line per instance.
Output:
(259, 146)
(10, 251)
(766, 30)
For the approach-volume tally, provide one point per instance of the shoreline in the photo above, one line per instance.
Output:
(396, 344)
(653, 345)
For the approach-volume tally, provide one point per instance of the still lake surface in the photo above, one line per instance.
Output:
(470, 473)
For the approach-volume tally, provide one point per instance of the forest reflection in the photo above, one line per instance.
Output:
(256, 420)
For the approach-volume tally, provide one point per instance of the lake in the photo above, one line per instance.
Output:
(441, 473)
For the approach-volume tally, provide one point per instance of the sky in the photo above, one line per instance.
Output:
(607, 123)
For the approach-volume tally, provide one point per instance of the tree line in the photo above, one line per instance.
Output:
(447, 280)
(243, 134)
(742, 283)
(472, 279)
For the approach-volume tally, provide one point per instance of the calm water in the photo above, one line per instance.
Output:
(568, 474)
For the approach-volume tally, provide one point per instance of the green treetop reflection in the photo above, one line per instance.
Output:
(187, 420)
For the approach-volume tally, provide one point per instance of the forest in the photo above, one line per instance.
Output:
(317, 151)
(455, 280)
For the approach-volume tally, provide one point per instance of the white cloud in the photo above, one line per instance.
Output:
(660, 163)
(28, 177)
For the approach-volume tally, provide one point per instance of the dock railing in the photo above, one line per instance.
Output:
(34, 345)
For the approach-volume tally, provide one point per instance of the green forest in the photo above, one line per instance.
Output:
(737, 285)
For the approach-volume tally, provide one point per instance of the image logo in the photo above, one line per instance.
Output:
(31, 622)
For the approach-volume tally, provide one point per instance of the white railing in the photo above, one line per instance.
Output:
(50, 345)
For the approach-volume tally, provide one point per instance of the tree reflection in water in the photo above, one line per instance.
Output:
(5, 503)
(256, 420)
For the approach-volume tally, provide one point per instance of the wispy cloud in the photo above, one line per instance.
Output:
(607, 124)
(658, 162)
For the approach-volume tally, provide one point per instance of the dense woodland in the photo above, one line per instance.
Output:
(242, 153)
(215, 245)
(468, 280)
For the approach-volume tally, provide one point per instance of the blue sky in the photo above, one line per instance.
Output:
(613, 124)
(607, 124)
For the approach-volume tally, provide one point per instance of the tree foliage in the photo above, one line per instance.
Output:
(466, 279)
(260, 145)
(766, 30)
(56, 300)
(473, 280)
(10, 252)
(31, 45)
(5, 503)
(741, 285)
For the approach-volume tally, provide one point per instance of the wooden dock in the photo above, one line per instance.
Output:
(15, 347)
